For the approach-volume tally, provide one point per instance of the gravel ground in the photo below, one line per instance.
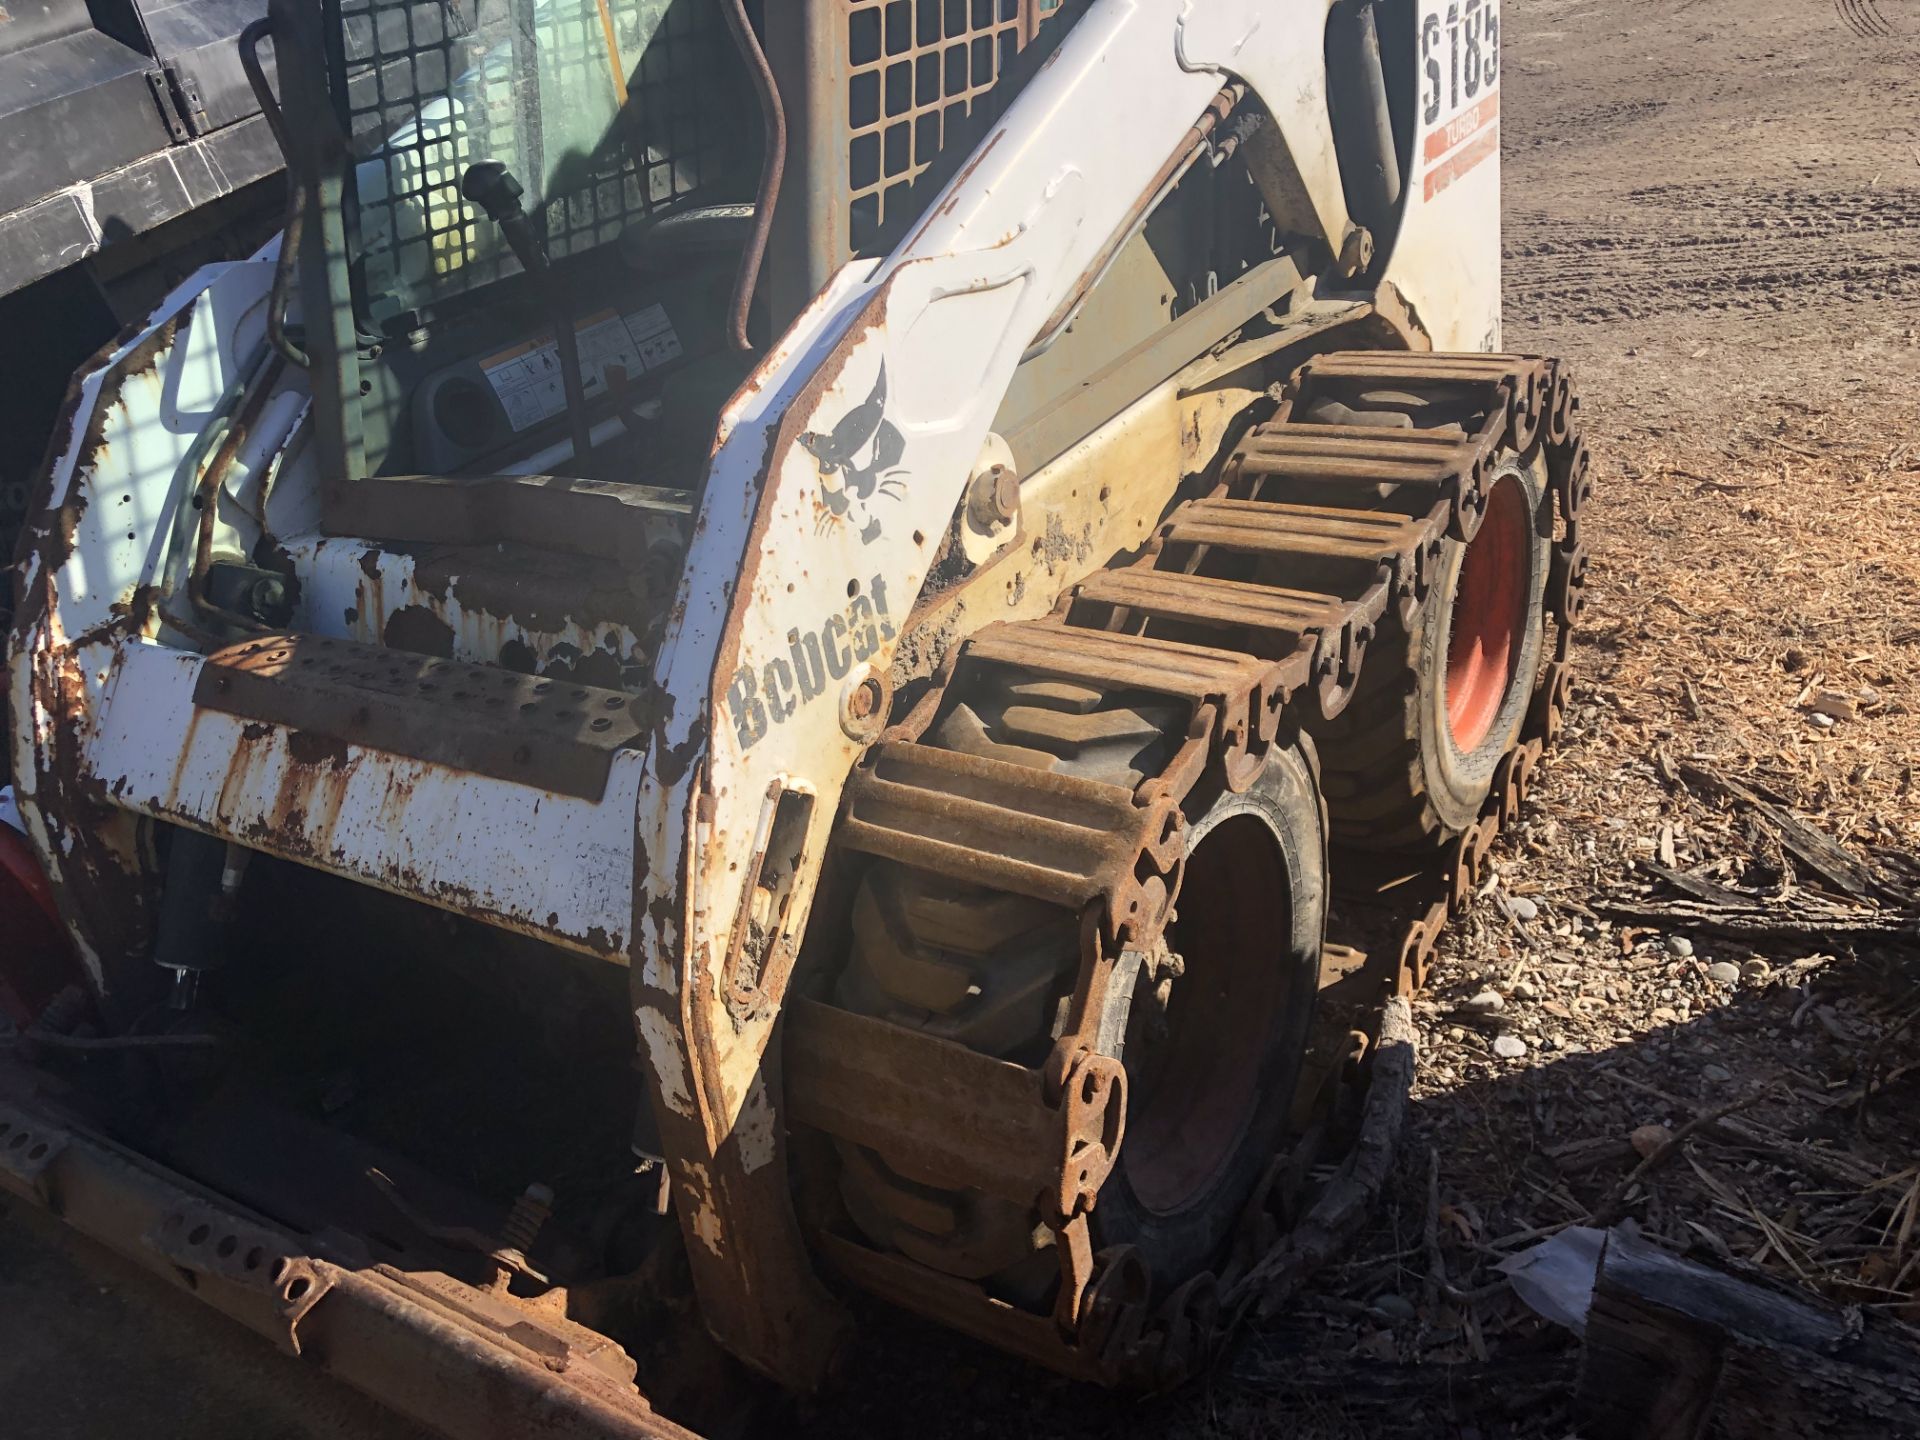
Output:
(1711, 209)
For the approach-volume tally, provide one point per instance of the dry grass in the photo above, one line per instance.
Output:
(1735, 588)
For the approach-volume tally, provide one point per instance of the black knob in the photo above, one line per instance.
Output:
(491, 186)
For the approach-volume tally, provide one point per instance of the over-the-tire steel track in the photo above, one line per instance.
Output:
(1383, 501)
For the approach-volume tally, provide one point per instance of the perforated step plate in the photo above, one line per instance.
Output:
(545, 733)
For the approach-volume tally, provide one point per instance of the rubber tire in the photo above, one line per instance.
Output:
(1394, 778)
(992, 971)
(1285, 798)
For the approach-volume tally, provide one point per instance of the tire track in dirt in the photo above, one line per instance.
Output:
(1577, 128)
(1730, 250)
(1863, 17)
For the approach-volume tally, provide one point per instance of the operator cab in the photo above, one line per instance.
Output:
(627, 135)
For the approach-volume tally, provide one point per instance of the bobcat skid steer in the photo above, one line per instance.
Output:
(745, 673)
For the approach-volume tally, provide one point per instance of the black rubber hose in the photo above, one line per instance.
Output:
(773, 165)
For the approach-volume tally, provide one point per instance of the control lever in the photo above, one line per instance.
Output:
(491, 186)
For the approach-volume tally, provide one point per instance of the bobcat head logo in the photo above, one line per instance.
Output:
(859, 462)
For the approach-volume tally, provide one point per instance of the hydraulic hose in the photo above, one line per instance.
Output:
(773, 164)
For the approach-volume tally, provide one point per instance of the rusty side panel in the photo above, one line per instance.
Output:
(99, 869)
(46, 542)
(533, 860)
(98, 865)
(539, 859)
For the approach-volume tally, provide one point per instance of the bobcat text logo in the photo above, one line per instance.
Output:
(769, 694)
(849, 485)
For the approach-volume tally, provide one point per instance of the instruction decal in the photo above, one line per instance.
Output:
(527, 379)
(1460, 92)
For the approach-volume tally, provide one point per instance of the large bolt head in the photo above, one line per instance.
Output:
(994, 499)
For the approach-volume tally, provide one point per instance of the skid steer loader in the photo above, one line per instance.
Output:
(777, 654)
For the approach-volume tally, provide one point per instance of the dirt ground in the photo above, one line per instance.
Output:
(1713, 210)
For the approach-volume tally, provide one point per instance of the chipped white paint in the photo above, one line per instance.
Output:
(658, 1036)
(696, 1191)
(554, 866)
(759, 1143)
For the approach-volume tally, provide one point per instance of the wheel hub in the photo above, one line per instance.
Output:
(1489, 608)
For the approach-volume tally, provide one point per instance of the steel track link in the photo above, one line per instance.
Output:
(1247, 657)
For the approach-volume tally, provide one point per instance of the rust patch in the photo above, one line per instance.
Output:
(452, 895)
(138, 608)
(670, 762)
(51, 532)
(1057, 549)
(595, 667)
(129, 616)
(962, 175)
(665, 916)
(418, 630)
(393, 803)
(541, 591)
(307, 799)
(142, 358)
(923, 647)
(100, 880)
(307, 748)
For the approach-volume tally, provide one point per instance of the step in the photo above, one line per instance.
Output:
(551, 734)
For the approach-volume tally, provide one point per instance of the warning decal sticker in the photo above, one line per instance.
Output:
(527, 377)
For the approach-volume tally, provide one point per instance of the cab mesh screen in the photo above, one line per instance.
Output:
(606, 111)
(915, 69)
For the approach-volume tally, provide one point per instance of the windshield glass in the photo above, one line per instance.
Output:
(608, 112)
